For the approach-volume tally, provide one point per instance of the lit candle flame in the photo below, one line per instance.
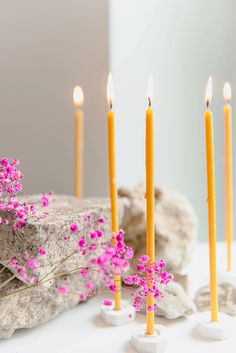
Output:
(150, 90)
(208, 94)
(110, 90)
(227, 93)
(78, 96)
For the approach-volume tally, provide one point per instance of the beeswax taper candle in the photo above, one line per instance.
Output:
(78, 99)
(228, 173)
(112, 177)
(211, 202)
(150, 199)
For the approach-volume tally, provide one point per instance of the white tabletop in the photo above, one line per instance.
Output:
(81, 330)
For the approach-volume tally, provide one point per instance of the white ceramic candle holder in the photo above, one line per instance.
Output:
(118, 317)
(144, 343)
(219, 330)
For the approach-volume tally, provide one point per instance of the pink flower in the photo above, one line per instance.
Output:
(93, 235)
(84, 272)
(33, 208)
(31, 264)
(15, 162)
(107, 302)
(101, 220)
(120, 236)
(13, 262)
(4, 161)
(141, 267)
(83, 297)
(74, 228)
(112, 288)
(120, 246)
(144, 258)
(44, 201)
(103, 259)
(82, 243)
(129, 253)
(63, 290)
(100, 233)
(42, 251)
(110, 251)
(87, 217)
(20, 269)
(11, 190)
(162, 264)
(18, 187)
(90, 286)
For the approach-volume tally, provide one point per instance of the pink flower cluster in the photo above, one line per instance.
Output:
(105, 259)
(149, 280)
(29, 270)
(15, 213)
(116, 255)
(113, 258)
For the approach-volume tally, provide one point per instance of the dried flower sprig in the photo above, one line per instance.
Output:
(16, 212)
(150, 279)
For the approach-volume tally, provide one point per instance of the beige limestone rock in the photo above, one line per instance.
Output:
(226, 295)
(175, 302)
(50, 234)
(175, 227)
(35, 305)
(38, 304)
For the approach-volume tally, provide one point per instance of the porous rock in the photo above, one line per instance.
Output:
(175, 302)
(33, 305)
(53, 234)
(226, 298)
(175, 227)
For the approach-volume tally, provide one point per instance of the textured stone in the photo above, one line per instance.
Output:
(226, 295)
(36, 305)
(175, 302)
(50, 233)
(175, 227)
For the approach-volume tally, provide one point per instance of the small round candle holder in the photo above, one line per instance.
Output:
(118, 317)
(219, 330)
(156, 343)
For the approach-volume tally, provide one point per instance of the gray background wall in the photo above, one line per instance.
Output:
(47, 47)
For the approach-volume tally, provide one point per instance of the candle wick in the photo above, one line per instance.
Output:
(207, 104)
(149, 102)
(110, 104)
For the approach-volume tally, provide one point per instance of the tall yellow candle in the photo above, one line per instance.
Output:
(228, 173)
(150, 199)
(112, 177)
(78, 99)
(211, 202)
